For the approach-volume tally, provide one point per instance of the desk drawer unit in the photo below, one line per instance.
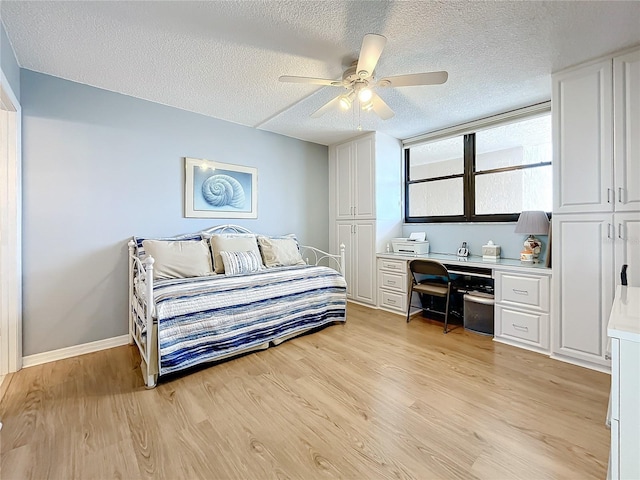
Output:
(392, 285)
(525, 291)
(522, 310)
(521, 325)
(392, 281)
(393, 301)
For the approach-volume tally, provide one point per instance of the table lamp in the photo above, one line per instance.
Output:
(533, 223)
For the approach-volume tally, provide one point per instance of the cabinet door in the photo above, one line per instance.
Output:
(626, 74)
(627, 246)
(364, 178)
(583, 131)
(343, 180)
(364, 267)
(583, 283)
(344, 234)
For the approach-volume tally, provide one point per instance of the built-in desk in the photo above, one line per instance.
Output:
(522, 293)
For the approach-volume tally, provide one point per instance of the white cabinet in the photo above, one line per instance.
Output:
(596, 120)
(354, 180)
(626, 76)
(365, 191)
(393, 285)
(596, 217)
(582, 105)
(522, 310)
(358, 239)
(624, 330)
(584, 279)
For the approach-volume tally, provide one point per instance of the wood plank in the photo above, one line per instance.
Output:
(373, 398)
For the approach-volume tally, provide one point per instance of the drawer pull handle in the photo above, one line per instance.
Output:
(607, 357)
(391, 282)
(520, 292)
(520, 327)
(392, 302)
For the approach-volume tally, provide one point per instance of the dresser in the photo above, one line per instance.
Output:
(522, 293)
(624, 331)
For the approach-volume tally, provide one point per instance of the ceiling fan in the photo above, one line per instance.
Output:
(360, 83)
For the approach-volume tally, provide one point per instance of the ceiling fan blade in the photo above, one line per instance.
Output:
(315, 81)
(414, 79)
(327, 106)
(381, 108)
(372, 46)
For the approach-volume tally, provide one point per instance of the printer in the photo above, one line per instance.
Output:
(416, 244)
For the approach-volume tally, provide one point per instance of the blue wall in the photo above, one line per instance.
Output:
(8, 63)
(447, 237)
(99, 167)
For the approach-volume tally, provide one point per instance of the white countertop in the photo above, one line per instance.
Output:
(474, 261)
(624, 321)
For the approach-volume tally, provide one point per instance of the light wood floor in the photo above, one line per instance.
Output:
(374, 398)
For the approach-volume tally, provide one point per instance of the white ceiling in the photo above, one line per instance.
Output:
(223, 58)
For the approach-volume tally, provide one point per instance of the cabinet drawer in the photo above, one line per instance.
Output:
(523, 290)
(392, 281)
(392, 300)
(394, 265)
(518, 325)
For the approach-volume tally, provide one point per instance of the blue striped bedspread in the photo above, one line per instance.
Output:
(204, 318)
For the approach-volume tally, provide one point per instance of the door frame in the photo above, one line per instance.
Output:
(10, 232)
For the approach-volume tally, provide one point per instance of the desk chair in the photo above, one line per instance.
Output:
(440, 286)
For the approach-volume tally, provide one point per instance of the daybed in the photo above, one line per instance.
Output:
(225, 291)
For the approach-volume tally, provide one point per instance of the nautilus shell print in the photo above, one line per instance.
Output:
(223, 190)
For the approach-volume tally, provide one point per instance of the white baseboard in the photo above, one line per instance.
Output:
(68, 352)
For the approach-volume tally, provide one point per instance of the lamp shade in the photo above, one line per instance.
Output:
(533, 222)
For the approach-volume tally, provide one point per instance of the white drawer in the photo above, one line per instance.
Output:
(519, 325)
(392, 300)
(393, 265)
(523, 290)
(392, 281)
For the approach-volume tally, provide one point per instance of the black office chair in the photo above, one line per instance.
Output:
(437, 284)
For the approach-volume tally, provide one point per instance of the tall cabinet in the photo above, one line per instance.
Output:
(365, 192)
(596, 212)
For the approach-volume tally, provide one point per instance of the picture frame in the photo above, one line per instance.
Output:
(219, 190)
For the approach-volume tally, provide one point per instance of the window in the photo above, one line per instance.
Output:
(489, 174)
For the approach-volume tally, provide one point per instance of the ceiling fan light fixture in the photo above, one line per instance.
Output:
(346, 100)
(365, 94)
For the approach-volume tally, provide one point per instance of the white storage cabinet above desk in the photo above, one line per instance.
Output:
(522, 294)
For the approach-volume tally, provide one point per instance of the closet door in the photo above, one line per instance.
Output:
(627, 246)
(344, 234)
(583, 134)
(584, 285)
(343, 180)
(364, 178)
(365, 257)
(626, 74)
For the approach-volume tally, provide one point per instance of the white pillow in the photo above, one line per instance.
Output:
(240, 262)
(179, 259)
(280, 251)
(231, 242)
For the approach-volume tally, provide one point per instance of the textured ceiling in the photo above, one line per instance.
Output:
(223, 58)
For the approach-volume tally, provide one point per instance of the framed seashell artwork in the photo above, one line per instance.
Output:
(219, 190)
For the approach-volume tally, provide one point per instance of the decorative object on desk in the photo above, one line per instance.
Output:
(526, 256)
(406, 245)
(534, 222)
(463, 251)
(490, 251)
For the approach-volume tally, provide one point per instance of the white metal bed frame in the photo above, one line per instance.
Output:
(143, 308)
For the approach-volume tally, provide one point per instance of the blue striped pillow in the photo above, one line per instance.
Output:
(236, 263)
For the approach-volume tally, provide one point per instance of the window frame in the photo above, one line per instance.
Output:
(470, 173)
